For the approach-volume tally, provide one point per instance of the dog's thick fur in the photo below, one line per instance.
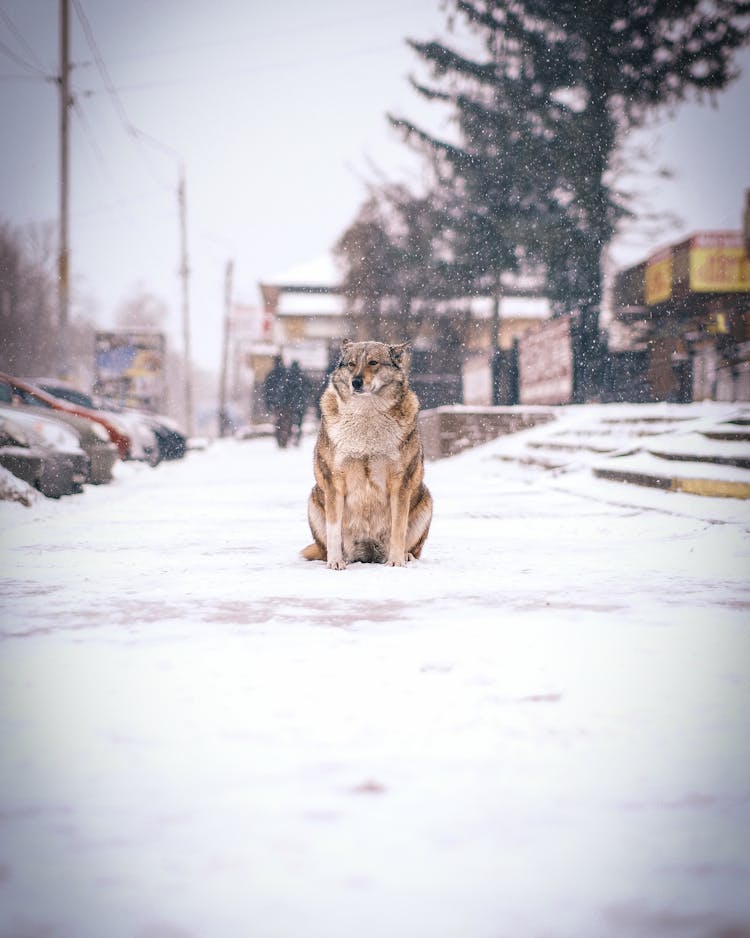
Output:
(369, 502)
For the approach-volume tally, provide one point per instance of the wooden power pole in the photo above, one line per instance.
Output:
(63, 264)
(185, 277)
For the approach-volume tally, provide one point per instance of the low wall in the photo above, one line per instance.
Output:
(446, 431)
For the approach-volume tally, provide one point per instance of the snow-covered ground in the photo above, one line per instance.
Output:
(540, 729)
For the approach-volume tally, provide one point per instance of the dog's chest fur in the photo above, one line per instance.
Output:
(362, 431)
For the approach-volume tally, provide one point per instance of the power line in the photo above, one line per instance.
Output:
(99, 156)
(264, 36)
(13, 29)
(88, 131)
(7, 51)
(101, 67)
(27, 77)
(296, 64)
(130, 129)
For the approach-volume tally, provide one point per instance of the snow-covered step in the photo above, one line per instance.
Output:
(589, 444)
(730, 432)
(691, 476)
(527, 459)
(698, 447)
(656, 423)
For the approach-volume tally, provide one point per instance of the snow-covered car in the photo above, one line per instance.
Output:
(17, 390)
(171, 441)
(153, 436)
(43, 452)
(143, 443)
(15, 489)
(94, 439)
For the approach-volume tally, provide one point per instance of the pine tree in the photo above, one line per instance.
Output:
(394, 253)
(540, 118)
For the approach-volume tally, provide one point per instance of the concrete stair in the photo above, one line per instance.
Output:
(701, 449)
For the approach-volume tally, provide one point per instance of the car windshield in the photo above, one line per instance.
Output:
(10, 394)
(68, 394)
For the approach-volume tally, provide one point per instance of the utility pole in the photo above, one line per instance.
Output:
(185, 275)
(223, 416)
(63, 265)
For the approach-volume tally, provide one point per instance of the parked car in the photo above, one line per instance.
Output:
(153, 436)
(143, 443)
(17, 454)
(95, 441)
(43, 452)
(171, 441)
(13, 489)
(17, 390)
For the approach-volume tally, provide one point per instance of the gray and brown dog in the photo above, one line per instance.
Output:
(369, 502)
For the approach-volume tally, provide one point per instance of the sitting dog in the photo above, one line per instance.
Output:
(369, 502)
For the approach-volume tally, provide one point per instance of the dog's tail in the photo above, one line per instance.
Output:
(313, 552)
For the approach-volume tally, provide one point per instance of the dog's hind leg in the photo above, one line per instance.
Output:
(317, 518)
(313, 552)
(420, 516)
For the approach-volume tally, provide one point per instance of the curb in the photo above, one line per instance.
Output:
(713, 488)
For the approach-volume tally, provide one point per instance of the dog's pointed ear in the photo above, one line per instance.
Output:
(346, 344)
(400, 355)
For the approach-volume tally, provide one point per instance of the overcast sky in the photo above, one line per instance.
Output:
(277, 111)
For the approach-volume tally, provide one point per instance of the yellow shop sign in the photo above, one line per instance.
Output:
(659, 277)
(718, 263)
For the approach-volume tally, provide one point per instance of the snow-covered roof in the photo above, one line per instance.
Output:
(302, 303)
(481, 307)
(317, 272)
(298, 303)
(524, 307)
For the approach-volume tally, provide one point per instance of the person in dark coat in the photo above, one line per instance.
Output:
(299, 388)
(276, 394)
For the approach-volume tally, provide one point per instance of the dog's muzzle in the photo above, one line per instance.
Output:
(357, 383)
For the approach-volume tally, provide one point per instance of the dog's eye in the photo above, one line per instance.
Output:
(372, 363)
(351, 365)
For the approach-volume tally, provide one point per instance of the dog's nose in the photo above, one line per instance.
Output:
(357, 383)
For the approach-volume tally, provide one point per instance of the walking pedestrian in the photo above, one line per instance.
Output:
(299, 389)
(276, 393)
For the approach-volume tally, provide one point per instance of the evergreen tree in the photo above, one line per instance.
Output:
(394, 253)
(540, 117)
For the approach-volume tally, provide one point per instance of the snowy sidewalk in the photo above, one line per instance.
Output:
(540, 729)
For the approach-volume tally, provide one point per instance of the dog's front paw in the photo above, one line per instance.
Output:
(336, 565)
(399, 560)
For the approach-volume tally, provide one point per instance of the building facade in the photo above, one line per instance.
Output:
(454, 358)
(681, 327)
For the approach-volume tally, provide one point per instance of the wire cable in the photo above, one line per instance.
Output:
(102, 68)
(6, 50)
(130, 129)
(35, 64)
